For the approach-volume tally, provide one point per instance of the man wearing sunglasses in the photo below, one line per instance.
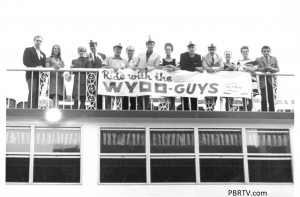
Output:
(267, 64)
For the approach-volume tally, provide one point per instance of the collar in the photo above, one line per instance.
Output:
(117, 58)
(36, 49)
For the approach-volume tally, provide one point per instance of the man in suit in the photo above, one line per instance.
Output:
(131, 64)
(96, 60)
(266, 64)
(190, 61)
(212, 63)
(146, 62)
(35, 58)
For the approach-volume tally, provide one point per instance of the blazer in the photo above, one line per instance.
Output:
(151, 64)
(30, 59)
(188, 63)
(98, 61)
(207, 62)
(262, 63)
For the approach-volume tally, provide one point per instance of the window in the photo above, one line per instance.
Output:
(269, 156)
(122, 155)
(220, 152)
(167, 147)
(194, 155)
(54, 154)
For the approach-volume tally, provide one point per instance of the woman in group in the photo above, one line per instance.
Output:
(228, 66)
(56, 91)
(169, 64)
(79, 90)
(247, 65)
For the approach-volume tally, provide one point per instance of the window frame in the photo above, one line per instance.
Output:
(32, 154)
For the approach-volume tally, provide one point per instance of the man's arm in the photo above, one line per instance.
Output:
(155, 64)
(199, 66)
(260, 68)
(274, 69)
(27, 58)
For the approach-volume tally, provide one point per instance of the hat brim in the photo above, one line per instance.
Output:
(118, 47)
(191, 45)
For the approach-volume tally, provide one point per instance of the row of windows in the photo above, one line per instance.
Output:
(53, 155)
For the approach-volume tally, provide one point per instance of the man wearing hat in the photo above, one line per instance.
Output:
(115, 62)
(131, 64)
(212, 63)
(96, 60)
(147, 62)
(190, 61)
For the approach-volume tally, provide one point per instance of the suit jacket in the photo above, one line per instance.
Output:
(151, 64)
(207, 62)
(97, 63)
(262, 63)
(30, 59)
(188, 63)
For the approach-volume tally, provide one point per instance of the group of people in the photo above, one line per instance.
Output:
(146, 61)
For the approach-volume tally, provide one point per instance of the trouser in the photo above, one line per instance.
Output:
(141, 100)
(185, 102)
(99, 101)
(247, 103)
(228, 103)
(82, 102)
(264, 93)
(34, 98)
(132, 101)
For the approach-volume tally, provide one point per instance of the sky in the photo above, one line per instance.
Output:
(228, 24)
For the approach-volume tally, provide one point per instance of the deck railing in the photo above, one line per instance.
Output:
(96, 101)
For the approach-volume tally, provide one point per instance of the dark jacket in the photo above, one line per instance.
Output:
(30, 59)
(190, 63)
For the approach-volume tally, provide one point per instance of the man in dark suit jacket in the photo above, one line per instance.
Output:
(190, 61)
(96, 60)
(267, 63)
(34, 57)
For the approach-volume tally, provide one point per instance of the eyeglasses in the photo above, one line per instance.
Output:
(245, 51)
(266, 51)
(212, 49)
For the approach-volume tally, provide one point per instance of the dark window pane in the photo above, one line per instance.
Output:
(259, 141)
(172, 141)
(173, 170)
(17, 169)
(56, 170)
(57, 140)
(123, 170)
(17, 139)
(270, 171)
(220, 142)
(122, 141)
(221, 170)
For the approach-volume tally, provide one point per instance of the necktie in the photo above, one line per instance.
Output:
(94, 57)
(212, 59)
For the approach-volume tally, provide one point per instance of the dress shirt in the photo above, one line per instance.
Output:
(217, 64)
(115, 62)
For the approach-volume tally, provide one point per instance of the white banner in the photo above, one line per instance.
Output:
(180, 83)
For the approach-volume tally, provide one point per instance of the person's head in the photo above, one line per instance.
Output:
(266, 50)
(191, 47)
(81, 51)
(245, 51)
(56, 51)
(212, 49)
(130, 51)
(150, 44)
(93, 46)
(227, 55)
(37, 40)
(117, 50)
(168, 49)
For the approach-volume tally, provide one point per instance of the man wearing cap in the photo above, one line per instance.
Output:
(267, 63)
(212, 63)
(34, 57)
(190, 61)
(96, 60)
(131, 64)
(115, 62)
(146, 62)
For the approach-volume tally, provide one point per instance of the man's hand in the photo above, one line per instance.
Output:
(209, 70)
